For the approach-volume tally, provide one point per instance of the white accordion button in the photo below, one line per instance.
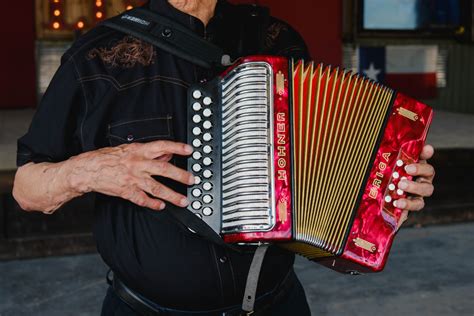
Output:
(197, 94)
(207, 149)
(207, 161)
(197, 119)
(399, 163)
(207, 112)
(207, 137)
(197, 155)
(207, 186)
(196, 205)
(197, 180)
(400, 192)
(207, 101)
(207, 174)
(391, 187)
(197, 167)
(207, 211)
(388, 199)
(197, 106)
(197, 193)
(197, 143)
(197, 131)
(207, 124)
(396, 175)
(207, 199)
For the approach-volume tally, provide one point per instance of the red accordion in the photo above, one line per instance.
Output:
(305, 156)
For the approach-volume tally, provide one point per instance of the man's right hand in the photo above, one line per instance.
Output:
(125, 171)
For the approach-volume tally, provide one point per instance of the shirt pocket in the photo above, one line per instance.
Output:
(141, 130)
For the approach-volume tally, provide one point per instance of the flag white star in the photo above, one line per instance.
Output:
(372, 72)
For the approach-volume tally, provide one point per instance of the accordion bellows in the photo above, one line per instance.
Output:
(303, 155)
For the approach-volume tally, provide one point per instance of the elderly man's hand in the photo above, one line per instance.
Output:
(127, 171)
(421, 187)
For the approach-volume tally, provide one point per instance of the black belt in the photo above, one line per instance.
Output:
(145, 307)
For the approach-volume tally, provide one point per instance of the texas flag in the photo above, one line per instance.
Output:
(408, 69)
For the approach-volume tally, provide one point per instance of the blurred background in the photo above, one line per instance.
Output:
(424, 48)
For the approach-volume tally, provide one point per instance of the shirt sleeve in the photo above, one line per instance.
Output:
(54, 133)
(283, 40)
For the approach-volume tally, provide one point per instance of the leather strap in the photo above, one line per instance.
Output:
(169, 36)
(250, 293)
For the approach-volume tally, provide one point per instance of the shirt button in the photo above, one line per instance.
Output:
(130, 138)
(223, 259)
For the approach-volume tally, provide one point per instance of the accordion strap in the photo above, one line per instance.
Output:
(169, 36)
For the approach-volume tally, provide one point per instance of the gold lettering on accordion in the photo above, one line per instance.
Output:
(280, 83)
(377, 182)
(281, 148)
(408, 114)
(364, 244)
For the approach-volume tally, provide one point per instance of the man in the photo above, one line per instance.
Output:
(113, 121)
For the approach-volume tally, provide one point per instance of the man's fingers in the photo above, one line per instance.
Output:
(423, 189)
(415, 203)
(159, 148)
(427, 152)
(421, 170)
(165, 169)
(164, 193)
(141, 199)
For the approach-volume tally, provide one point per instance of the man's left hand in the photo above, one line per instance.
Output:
(422, 186)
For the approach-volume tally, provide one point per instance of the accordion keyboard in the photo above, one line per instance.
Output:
(231, 132)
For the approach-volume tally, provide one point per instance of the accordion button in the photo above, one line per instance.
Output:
(197, 94)
(207, 211)
(197, 155)
(396, 175)
(207, 112)
(207, 149)
(207, 101)
(207, 161)
(197, 106)
(391, 187)
(197, 143)
(196, 205)
(388, 199)
(207, 199)
(207, 186)
(399, 163)
(207, 174)
(207, 124)
(400, 192)
(197, 119)
(197, 131)
(197, 180)
(197, 167)
(197, 192)
(207, 137)
(223, 259)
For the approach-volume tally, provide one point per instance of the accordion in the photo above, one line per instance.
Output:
(303, 155)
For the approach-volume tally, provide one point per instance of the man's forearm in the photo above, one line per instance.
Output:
(45, 187)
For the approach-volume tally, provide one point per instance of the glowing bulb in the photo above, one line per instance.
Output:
(80, 24)
(56, 25)
(56, 1)
(129, 7)
(99, 15)
(57, 13)
(98, 3)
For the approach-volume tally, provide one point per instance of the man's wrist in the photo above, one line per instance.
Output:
(76, 175)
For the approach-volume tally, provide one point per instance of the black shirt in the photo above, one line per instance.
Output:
(113, 89)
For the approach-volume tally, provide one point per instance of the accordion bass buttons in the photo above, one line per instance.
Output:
(207, 101)
(197, 94)
(207, 186)
(197, 118)
(207, 174)
(207, 125)
(207, 149)
(196, 205)
(207, 113)
(197, 155)
(197, 180)
(197, 131)
(207, 137)
(197, 143)
(207, 199)
(207, 161)
(197, 167)
(207, 211)
(197, 193)
(197, 106)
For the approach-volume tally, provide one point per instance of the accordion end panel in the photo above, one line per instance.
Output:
(377, 219)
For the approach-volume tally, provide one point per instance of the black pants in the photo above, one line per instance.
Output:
(293, 304)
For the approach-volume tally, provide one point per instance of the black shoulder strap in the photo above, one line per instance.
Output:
(169, 36)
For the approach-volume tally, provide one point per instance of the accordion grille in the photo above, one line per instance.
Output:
(337, 118)
(246, 135)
